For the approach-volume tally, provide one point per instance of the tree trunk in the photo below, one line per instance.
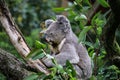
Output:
(16, 37)
(64, 5)
(11, 67)
(108, 36)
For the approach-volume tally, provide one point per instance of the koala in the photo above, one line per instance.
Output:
(64, 46)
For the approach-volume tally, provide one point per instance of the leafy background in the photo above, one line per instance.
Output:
(30, 16)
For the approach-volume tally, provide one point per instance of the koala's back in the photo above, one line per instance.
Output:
(83, 68)
(85, 61)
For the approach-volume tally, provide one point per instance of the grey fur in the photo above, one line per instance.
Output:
(65, 46)
(48, 22)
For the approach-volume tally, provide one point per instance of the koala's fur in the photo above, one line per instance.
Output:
(65, 46)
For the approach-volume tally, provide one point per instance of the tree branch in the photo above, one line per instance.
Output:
(16, 38)
(11, 67)
(108, 36)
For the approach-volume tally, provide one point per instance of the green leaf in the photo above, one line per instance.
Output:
(78, 1)
(87, 2)
(112, 67)
(2, 77)
(70, 67)
(60, 9)
(93, 77)
(60, 68)
(68, 9)
(54, 71)
(54, 61)
(49, 77)
(103, 3)
(31, 77)
(89, 44)
(38, 56)
(93, 22)
(96, 44)
(80, 17)
(82, 35)
(49, 56)
(40, 45)
(33, 53)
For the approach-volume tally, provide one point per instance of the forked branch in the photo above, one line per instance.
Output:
(16, 37)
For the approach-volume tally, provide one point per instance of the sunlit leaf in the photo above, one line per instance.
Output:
(75, 3)
(39, 45)
(80, 17)
(49, 56)
(68, 9)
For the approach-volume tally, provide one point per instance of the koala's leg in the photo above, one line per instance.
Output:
(68, 52)
(80, 73)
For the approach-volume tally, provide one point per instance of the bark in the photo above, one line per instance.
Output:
(108, 36)
(65, 5)
(16, 37)
(11, 67)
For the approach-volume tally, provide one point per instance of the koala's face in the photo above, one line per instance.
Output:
(56, 30)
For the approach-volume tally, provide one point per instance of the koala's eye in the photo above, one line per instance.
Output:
(51, 33)
(60, 23)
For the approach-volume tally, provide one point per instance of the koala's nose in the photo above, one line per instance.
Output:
(43, 38)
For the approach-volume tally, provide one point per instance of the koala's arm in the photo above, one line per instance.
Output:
(68, 52)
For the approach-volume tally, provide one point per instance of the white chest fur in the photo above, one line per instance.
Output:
(59, 47)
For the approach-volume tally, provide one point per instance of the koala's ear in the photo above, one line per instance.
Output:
(48, 22)
(62, 19)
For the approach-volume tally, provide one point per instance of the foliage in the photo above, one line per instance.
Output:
(38, 52)
(58, 72)
(103, 3)
(109, 73)
(7, 45)
(30, 13)
(2, 77)
(90, 36)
